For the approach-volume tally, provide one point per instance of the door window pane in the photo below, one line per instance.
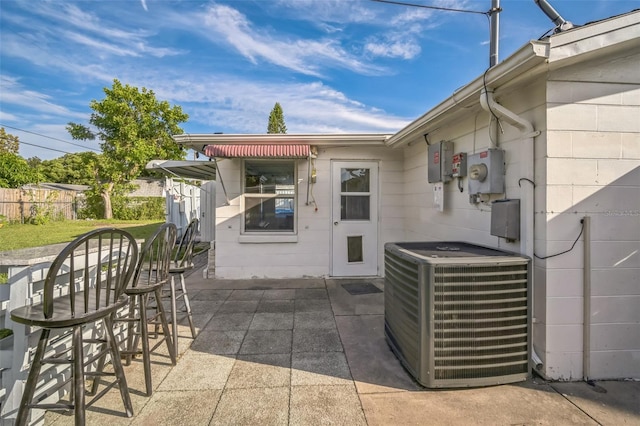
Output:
(354, 207)
(354, 249)
(354, 180)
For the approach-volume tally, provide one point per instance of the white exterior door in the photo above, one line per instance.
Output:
(354, 218)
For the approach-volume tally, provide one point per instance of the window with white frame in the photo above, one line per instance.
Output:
(269, 196)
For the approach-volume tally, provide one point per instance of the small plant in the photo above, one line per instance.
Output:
(4, 278)
(5, 332)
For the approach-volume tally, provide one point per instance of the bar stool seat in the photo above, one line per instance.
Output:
(93, 270)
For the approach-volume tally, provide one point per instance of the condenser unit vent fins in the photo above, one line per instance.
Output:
(456, 322)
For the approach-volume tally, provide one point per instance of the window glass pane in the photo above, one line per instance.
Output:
(274, 211)
(269, 177)
(354, 180)
(268, 214)
(354, 249)
(354, 207)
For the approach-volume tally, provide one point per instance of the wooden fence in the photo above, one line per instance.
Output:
(21, 205)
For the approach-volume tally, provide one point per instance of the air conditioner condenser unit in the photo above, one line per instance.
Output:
(458, 314)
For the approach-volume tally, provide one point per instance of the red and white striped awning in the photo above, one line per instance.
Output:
(258, 151)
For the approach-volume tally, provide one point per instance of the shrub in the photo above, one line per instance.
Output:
(138, 208)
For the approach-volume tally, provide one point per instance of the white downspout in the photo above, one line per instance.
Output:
(527, 157)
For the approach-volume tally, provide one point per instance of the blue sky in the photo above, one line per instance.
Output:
(335, 66)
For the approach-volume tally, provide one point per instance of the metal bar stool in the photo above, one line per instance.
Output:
(152, 272)
(183, 261)
(92, 272)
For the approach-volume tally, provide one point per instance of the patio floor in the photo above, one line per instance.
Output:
(308, 352)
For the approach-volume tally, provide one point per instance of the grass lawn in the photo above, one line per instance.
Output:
(17, 236)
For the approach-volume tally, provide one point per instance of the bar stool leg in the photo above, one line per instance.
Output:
(78, 398)
(117, 366)
(132, 338)
(187, 306)
(174, 315)
(32, 379)
(165, 326)
(144, 332)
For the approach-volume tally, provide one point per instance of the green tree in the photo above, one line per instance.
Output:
(77, 169)
(9, 142)
(276, 120)
(15, 171)
(134, 128)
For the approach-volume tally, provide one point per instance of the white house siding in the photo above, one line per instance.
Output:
(310, 255)
(593, 169)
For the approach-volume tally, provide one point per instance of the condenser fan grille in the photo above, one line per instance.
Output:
(479, 321)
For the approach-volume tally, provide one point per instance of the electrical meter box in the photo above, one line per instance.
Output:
(486, 172)
(440, 162)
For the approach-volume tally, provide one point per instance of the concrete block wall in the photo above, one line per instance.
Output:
(593, 149)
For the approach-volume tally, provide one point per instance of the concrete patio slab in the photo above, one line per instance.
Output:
(255, 406)
(299, 352)
(185, 408)
(314, 320)
(229, 321)
(266, 342)
(325, 405)
(317, 340)
(260, 371)
(609, 403)
(218, 342)
(319, 368)
(198, 371)
(272, 321)
(524, 404)
(373, 366)
(276, 306)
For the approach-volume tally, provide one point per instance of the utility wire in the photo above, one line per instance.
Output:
(447, 9)
(566, 251)
(49, 137)
(39, 146)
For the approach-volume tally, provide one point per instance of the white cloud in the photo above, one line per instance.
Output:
(301, 55)
(13, 93)
(324, 11)
(394, 46)
(242, 105)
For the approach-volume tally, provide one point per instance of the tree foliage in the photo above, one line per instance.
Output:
(133, 128)
(77, 169)
(15, 171)
(9, 142)
(276, 120)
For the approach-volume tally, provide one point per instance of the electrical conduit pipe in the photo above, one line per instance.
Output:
(527, 156)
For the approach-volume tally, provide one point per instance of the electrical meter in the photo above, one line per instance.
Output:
(486, 172)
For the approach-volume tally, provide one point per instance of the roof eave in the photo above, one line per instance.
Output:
(581, 43)
(527, 57)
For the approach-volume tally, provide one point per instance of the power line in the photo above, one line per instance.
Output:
(38, 146)
(447, 9)
(49, 137)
